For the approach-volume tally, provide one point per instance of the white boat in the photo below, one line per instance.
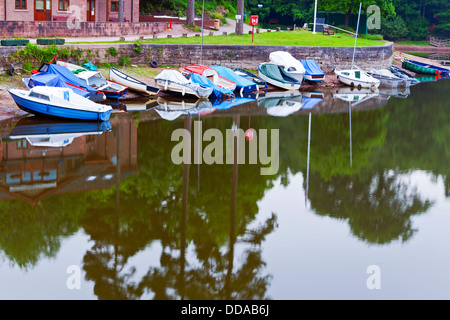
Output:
(387, 78)
(356, 77)
(281, 104)
(291, 65)
(211, 74)
(96, 80)
(59, 102)
(172, 81)
(130, 82)
(276, 76)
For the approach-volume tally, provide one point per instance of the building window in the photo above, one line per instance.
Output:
(63, 5)
(114, 6)
(21, 4)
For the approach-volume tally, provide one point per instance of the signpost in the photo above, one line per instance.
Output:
(253, 23)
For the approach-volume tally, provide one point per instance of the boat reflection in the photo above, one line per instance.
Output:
(356, 96)
(281, 104)
(171, 109)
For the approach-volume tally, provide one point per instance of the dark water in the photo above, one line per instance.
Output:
(358, 208)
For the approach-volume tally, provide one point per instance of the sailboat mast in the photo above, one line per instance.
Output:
(356, 35)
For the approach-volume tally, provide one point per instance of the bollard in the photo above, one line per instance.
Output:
(257, 30)
(211, 33)
(224, 34)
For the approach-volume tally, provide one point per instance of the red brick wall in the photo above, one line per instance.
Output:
(34, 29)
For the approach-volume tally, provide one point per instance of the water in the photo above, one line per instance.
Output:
(360, 200)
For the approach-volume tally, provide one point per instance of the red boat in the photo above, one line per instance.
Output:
(211, 74)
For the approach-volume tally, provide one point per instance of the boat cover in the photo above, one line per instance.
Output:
(176, 77)
(241, 82)
(273, 71)
(217, 92)
(283, 58)
(51, 80)
(312, 68)
(69, 77)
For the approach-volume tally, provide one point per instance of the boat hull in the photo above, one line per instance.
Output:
(418, 69)
(357, 83)
(53, 111)
(130, 82)
(170, 87)
(389, 82)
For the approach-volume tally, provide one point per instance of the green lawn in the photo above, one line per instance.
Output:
(413, 43)
(292, 38)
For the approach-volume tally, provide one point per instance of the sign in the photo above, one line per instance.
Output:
(238, 17)
(253, 20)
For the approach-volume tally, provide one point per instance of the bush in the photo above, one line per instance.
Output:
(418, 28)
(394, 29)
(371, 36)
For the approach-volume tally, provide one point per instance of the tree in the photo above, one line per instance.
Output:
(240, 23)
(348, 7)
(190, 13)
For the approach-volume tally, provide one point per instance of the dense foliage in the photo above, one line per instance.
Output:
(410, 19)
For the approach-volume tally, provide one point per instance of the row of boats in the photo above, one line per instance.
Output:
(63, 89)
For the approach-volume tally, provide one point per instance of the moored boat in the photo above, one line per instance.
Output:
(211, 74)
(312, 70)
(422, 69)
(442, 71)
(399, 72)
(251, 76)
(292, 66)
(243, 85)
(172, 81)
(59, 102)
(276, 76)
(132, 83)
(52, 80)
(387, 78)
(356, 77)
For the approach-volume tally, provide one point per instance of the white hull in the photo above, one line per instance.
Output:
(310, 78)
(167, 85)
(130, 82)
(279, 84)
(366, 81)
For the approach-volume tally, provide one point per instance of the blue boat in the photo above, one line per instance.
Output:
(52, 80)
(312, 70)
(228, 104)
(60, 103)
(68, 77)
(243, 85)
(218, 93)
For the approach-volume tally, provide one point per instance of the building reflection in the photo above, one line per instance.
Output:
(48, 157)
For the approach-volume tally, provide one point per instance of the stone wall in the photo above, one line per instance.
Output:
(35, 29)
(227, 55)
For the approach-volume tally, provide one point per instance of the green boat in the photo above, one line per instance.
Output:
(418, 69)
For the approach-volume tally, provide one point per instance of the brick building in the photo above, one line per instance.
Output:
(61, 10)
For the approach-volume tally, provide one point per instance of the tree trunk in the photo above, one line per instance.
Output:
(240, 23)
(190, 14)
(347, 18)
(120, 10)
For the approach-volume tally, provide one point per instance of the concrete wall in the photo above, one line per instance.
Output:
(36, 29)
(232, 56)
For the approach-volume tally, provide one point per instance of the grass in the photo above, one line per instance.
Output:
(413, 43)
(292, 38)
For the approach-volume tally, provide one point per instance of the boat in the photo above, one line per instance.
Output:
(312, 70)
(387, 78)
(218, 93)
(442, 71)
(52, 80)
(251, 76)
(292, 66)
(356, 77)
(211, 74)
(243, 85)
(70, 79)
(132, 83)
(399, 72)
(53, 133)
(281, 104)
(96, 80)
(276, 76)
(172, 81)
(59, 102)
(418, 68)
(427, 78)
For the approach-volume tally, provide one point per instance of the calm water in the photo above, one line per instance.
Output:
(361, 196)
